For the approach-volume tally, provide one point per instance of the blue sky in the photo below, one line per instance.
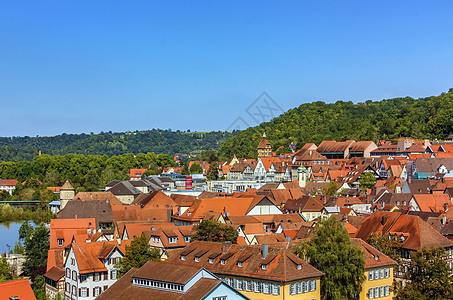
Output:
(91, 66)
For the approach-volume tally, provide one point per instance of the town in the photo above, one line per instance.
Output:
(347, 219)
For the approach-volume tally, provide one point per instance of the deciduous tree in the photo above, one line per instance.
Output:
(331, 252)
(209, 230)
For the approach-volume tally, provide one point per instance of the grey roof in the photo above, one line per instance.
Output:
(81, 209)
(124, 188)
(430, 165)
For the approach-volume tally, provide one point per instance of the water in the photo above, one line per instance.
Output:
(9, 235)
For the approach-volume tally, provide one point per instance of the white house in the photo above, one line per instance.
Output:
(89, 269)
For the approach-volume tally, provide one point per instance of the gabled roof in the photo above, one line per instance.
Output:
(65, 229)
(123, 188)
(54, 273)
(419, 233)
(101, 210)
(264, 144)
(373, 257)
(89, 256)
(67, 186)
(135, 212)
(8, 182)
(432, 202)
(156, 199)
(303, 204)
(361, 146)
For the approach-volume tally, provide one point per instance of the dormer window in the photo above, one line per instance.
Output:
(211, 260)
(240, 264)
(222, 262)
(60, 242)
(197, 259)
(264, 267)
(173, 239)
(299, 267)
(183, 257)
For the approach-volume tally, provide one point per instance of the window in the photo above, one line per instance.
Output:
(211, 260)
(83, 278)
(68, 273)
(60, 242)
(183, 257)
(74, 290)
(220, 298)
(240, 264)
(83, 292)
(172, 239)
(97, 277)
(187, 239)
(197, 259)
(96, 291)
(222, 262)
(106, 276)
(74, 275)
(264, 267)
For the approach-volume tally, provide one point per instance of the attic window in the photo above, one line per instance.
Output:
(264, 267)
(240, 264)
(211, 260)
(197, 259)
(222, 262)
(183, 257)
(60, 242)
(299, 267)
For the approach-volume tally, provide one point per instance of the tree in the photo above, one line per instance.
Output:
(137, 254)
(331, 252)
(213, 173)
(38, 288)
(367, 180)
(211, 231)
(331, 189)
(387, 245)
(429, 276)
(36, 243)
(195, 169)
(5, 271)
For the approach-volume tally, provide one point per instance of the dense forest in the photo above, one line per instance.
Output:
(84, 172)
(430, 117)
(109, 143)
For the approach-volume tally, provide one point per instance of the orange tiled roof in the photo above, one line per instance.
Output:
(86, 196)
(89, 256)
(20, 288)
(432, 202)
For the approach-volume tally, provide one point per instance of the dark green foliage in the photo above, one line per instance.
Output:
(331, 252)
(331, 189)
(367, 180)
(137, 254)
(108, 143)
(211, 231)
(318, 121)
(196, 169)
(213, 172)
(38, 288)
(90, 172)
(5, 271)
(429, 277)
(36, 243)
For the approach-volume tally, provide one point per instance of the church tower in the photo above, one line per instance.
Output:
(67, 192)
(264, 148)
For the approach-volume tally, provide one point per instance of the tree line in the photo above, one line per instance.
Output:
(423, 118)
(111, 143)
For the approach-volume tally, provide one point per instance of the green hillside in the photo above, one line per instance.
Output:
(430, 117)
(109, 143)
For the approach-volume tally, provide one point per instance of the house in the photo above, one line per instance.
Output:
(67, 193)
(430, 202)
(89, 269)
(136, 174)
(16, 289)
(100, 210)
(379, 269)
(228, 206)
(334, 149)
(416, 187)
(163, 280)
(265, 169)
(85, 196)
(362, 149)
(425, 168)
(308, 207)
(8, 185)
(124, 191)
(156, 199)
(55, 283)
(412, 230)
(258, 271)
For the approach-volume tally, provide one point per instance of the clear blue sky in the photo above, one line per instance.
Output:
(91, 66)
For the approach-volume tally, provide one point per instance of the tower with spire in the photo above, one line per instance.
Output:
(264, 148)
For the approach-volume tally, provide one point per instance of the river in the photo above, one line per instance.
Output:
(9, 235)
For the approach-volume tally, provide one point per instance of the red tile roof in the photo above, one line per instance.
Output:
(20, 288)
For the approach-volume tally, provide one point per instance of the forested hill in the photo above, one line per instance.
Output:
(318, 121)
(156, 140)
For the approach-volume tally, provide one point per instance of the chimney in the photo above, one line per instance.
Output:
(383, 220)
(265, 250)
(226, 246)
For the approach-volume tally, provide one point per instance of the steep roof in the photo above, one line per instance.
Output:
(334, 146)
(264, 144)
(101, 210)
(89, 256)
(373, 257)
(304, 203)
(282, 264)
(67, 186)
(420, 234)
(20, 288)
(432, 202)
(66, 228)
(156, 199)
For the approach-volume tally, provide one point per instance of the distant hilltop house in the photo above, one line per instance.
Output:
(8, 185)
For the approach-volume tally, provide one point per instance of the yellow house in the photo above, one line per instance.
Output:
(378, 271)
(257, 271)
